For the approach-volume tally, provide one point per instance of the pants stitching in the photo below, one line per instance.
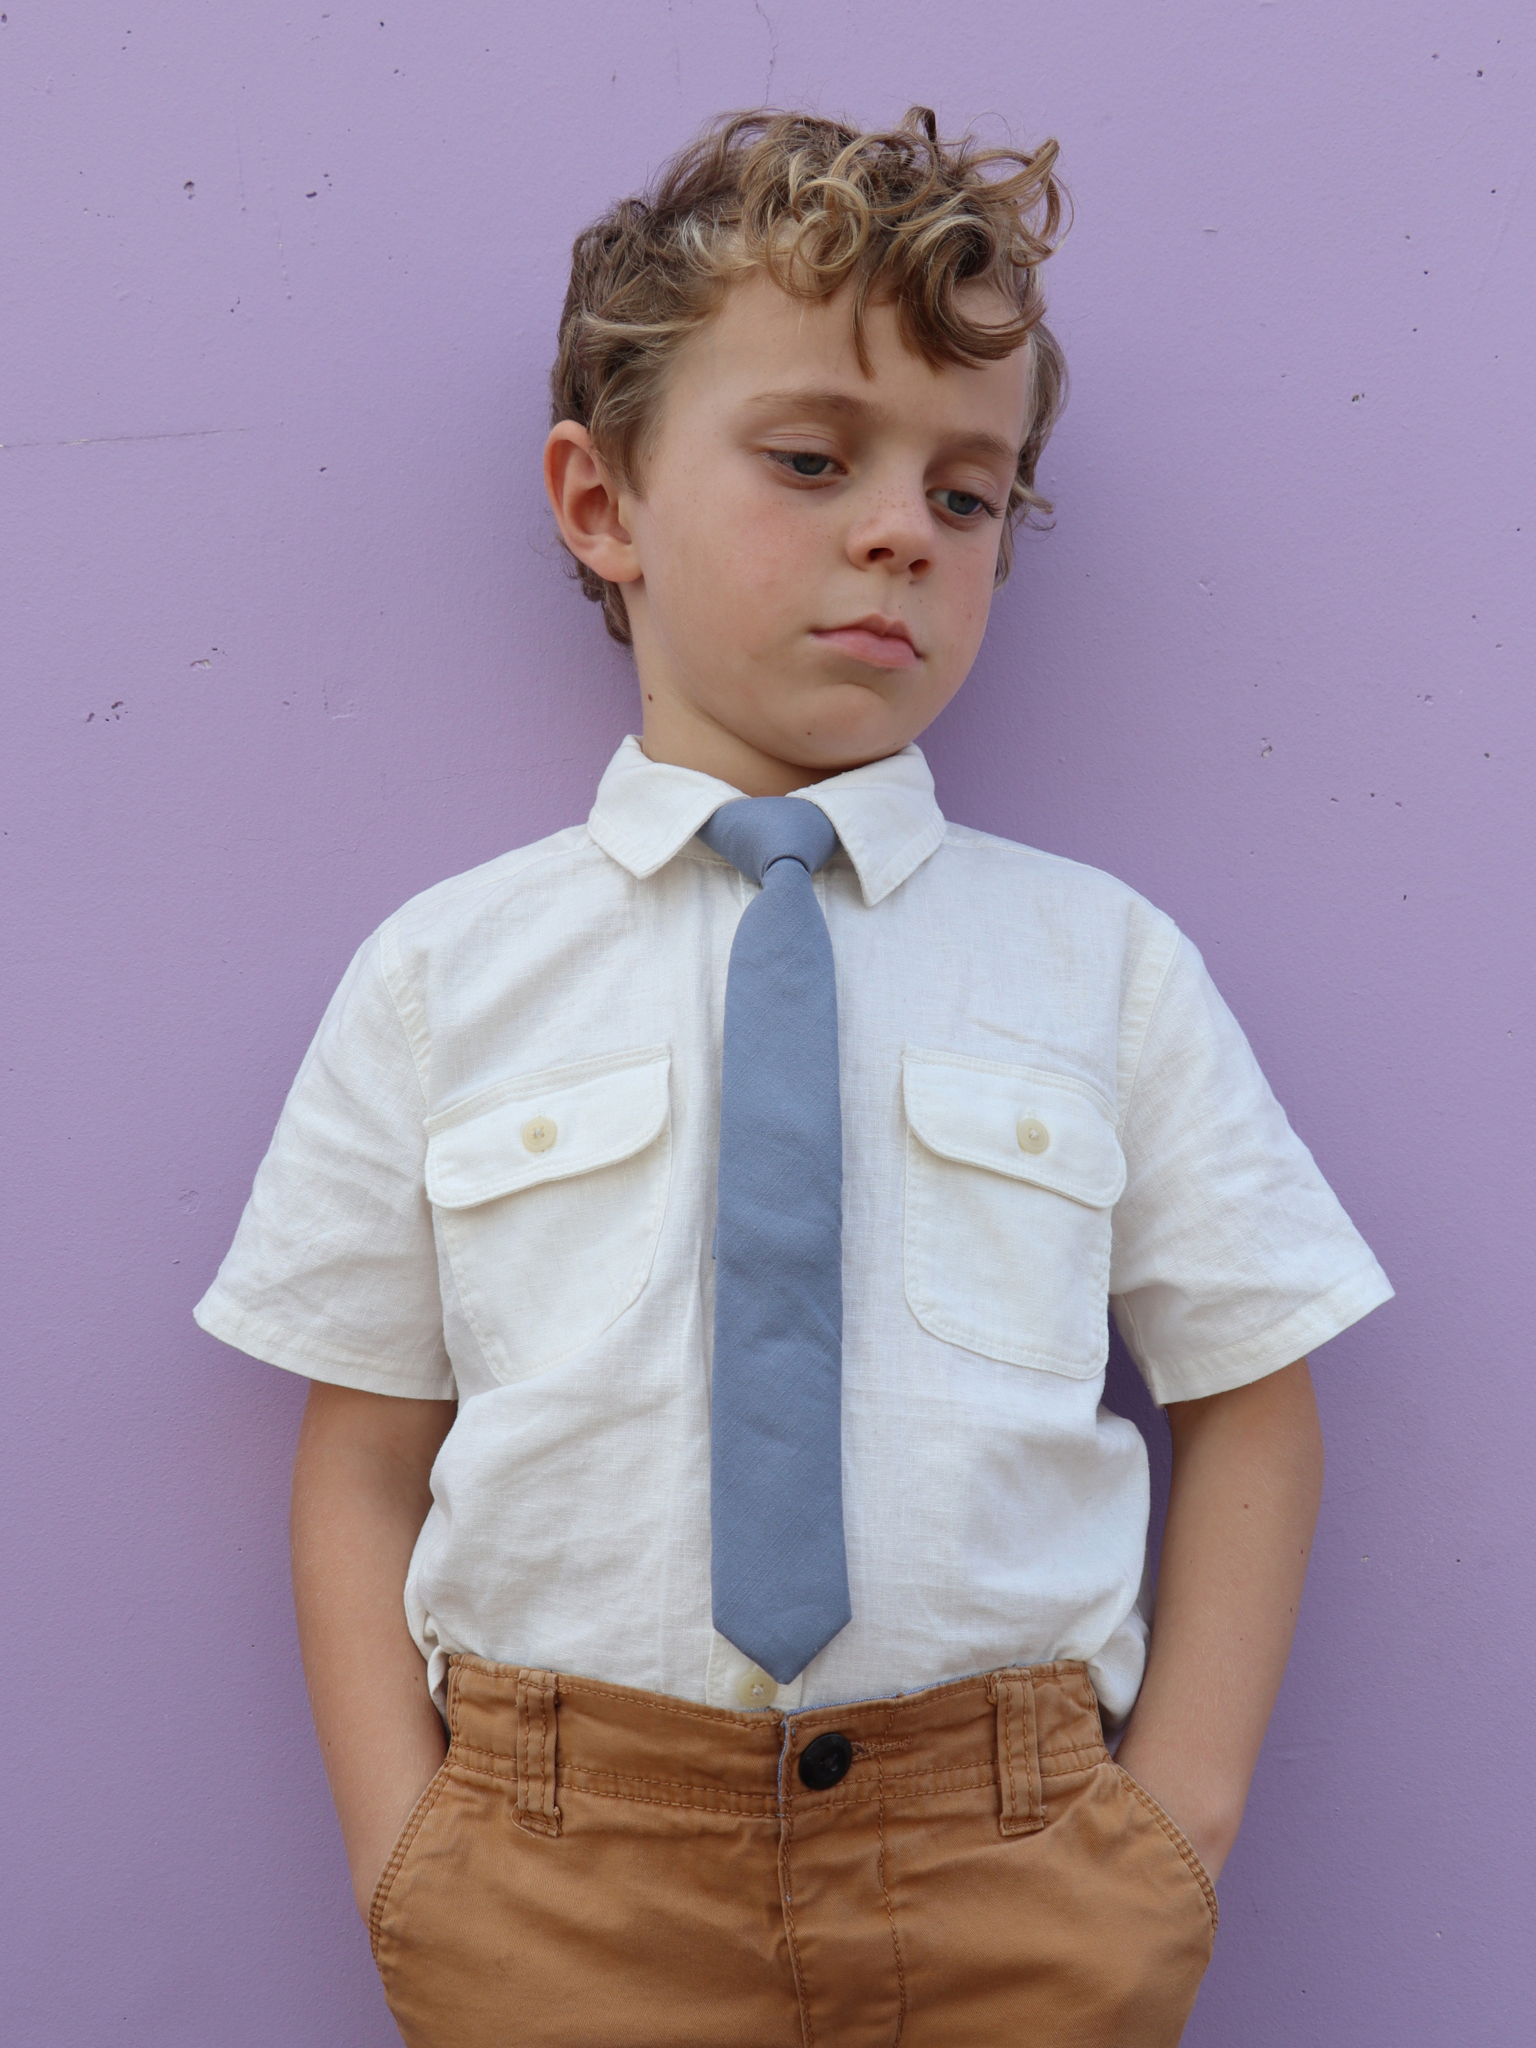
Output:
(654, 1706)
(807, 2031)
(545, 1802)
(499, 1764)
(412, 1829)
(970, 1763)
(1197, 1869)
(666, 1784)
(910, 1785)
(534, 1808)
(719, 1805)
(1007, 1721)
(984, 1775)
(495, 1764)
(414, 1819)
(890, 1914)
(694, 1805)
(1029, 1726)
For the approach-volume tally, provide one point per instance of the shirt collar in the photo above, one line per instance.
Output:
(885, 814)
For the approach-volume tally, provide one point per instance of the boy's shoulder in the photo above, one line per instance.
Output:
(985, 862)
(456, 903)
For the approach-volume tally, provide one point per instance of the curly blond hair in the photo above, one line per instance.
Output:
(903, 217)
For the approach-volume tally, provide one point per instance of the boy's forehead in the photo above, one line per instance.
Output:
(769, 349)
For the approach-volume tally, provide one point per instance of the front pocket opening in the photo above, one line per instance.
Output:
(1176, 1839)
(431, 1792)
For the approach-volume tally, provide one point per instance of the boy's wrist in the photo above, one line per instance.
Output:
(1207, 1810)
(373, 1835)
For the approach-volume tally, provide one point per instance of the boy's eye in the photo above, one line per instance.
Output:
(963, 504)
(804, 462)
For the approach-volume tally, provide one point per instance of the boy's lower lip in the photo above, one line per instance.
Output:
(881, 650)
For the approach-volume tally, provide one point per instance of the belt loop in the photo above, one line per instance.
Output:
(451, 1700)
(536, 1718)
(1018, 1754)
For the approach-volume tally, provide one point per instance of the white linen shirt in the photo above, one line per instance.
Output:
(494, 1179)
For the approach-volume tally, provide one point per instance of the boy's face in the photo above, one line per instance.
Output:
(809, 564)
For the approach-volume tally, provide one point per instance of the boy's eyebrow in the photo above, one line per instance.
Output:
(846, 405)
(843, 402)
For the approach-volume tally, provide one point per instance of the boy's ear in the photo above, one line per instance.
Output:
(585, 500)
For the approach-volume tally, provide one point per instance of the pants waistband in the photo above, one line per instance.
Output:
(538, 1735)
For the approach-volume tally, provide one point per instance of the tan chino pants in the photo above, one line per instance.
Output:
(599, 1866)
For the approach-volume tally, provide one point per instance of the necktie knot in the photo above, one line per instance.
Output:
(752, 832)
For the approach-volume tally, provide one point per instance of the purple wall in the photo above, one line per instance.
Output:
(285, 639)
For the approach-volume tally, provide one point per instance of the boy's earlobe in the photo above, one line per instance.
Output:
(584, 497)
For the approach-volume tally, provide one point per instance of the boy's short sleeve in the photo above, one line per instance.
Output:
(333, 1271)
(1232, 1255)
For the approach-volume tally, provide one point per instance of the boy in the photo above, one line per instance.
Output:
(698, 1228)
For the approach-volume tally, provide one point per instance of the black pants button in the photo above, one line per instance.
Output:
(826, 1762)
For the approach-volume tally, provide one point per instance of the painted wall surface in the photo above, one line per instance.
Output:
(285, 638)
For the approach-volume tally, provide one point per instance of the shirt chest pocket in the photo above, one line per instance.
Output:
(1012, 1176)
(549, 1191)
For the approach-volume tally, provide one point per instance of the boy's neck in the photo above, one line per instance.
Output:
(677, 733)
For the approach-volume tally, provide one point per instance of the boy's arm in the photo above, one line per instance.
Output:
(1247, 1479)
(360, 1496)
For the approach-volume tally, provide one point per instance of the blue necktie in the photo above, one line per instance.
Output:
(776, 1407)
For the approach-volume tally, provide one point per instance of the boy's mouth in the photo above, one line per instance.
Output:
(884, 643)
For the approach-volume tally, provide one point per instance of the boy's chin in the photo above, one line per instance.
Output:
(842, 726)
(833, 754)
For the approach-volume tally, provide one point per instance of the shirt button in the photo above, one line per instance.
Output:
(756, 1688)
(540, 1132)
(1033, 1136)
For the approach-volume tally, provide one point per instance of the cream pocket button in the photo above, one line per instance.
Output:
(1033, 1136)
(540, 1132)
(757, 1688)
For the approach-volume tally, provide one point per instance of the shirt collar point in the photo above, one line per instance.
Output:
(884, 814)
(646, 811)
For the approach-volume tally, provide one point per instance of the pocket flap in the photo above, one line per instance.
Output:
(546, 1126)
(1020, 1121)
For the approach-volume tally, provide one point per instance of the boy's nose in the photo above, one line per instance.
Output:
(895, 533)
